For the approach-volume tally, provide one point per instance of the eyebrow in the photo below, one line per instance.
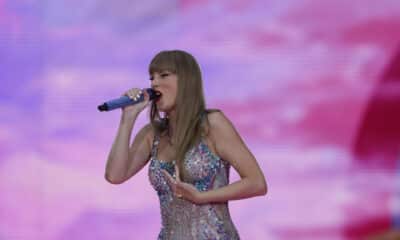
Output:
(161, 72)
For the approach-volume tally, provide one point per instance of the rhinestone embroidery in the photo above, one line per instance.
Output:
(182, 219)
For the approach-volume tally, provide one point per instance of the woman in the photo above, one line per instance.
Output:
(190, 150)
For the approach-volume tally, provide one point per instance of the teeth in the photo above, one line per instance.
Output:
(158, 96)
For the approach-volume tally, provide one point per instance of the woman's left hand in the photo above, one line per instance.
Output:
(183, 190)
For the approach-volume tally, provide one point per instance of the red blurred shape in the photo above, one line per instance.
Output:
(378, 138)
(367, 228)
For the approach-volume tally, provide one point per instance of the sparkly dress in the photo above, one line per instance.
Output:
(182, 219)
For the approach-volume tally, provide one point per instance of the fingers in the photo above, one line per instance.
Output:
(170, 179)
(134, 93)
(174, 184)
(178, 178)
(180, 189)
(137, 94)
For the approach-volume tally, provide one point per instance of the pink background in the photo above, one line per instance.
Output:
(311, 86)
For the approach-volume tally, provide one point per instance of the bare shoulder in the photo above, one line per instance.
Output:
(217, 116)
(149, 129)
(221, 129)
(220, 123)
(146, 133)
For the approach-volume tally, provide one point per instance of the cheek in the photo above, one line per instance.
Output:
(172, 91)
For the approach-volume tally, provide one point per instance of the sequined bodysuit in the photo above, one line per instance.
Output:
(182, 219)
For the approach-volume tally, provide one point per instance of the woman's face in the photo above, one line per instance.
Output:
(167, 83)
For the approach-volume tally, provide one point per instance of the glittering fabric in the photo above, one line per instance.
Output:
(182, 219)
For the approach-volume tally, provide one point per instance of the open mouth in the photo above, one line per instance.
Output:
(153, 94)
(158, 96)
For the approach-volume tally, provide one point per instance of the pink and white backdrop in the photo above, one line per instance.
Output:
(312, 86)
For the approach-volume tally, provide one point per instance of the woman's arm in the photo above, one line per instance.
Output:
(230, 147)
(124, 161)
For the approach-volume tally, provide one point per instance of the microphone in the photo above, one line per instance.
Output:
(125, 101)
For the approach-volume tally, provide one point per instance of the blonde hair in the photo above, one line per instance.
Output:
(190, 102)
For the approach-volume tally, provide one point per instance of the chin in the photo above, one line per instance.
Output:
(164, 106)
(165, 109)
(162, 109)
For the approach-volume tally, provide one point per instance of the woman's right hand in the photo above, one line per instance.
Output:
(134, 109)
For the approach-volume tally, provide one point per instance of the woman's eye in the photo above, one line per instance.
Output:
(162, 75)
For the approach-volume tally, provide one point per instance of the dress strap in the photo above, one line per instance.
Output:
(154, 147)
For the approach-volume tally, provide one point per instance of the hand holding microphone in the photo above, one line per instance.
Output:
(140, 100)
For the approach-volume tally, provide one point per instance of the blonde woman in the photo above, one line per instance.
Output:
(189, 150)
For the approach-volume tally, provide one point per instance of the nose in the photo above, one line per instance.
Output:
(155, 82)
(153, 85)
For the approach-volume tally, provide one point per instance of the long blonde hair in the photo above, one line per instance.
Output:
(190, 103)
